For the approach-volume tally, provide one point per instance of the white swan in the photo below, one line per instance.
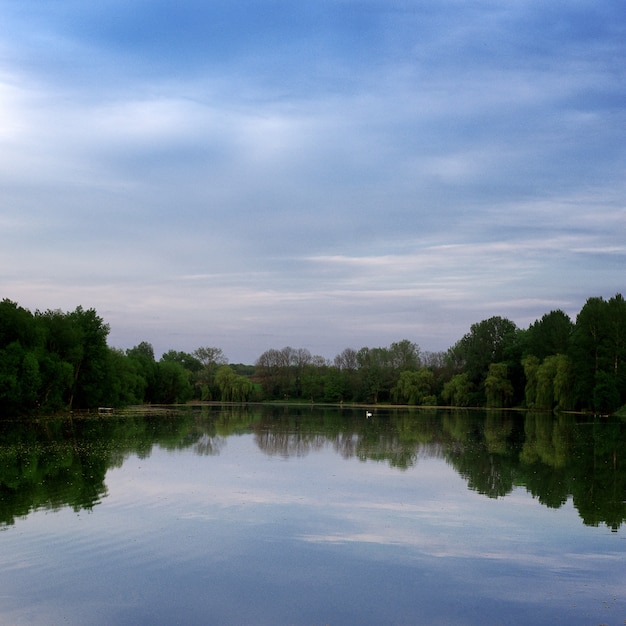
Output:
(368, 414)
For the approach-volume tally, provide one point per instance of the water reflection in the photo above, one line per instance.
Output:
(50, 464)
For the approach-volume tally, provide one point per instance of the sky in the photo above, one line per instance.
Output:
(261, 173)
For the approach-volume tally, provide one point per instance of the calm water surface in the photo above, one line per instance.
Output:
(285, 515)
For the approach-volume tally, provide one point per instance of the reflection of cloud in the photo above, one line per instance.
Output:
(425, 519)
(446, 546)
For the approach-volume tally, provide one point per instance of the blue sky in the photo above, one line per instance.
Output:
(256, 174)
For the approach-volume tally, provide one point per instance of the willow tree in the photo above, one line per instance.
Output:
(498, 388)
(211, 359)
(233, 387)
(415, 387)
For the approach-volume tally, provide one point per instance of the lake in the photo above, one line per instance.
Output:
(296, 515)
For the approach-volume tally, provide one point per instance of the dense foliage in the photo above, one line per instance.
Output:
(54, 360)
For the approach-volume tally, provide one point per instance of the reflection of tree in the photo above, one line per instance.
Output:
(346, 444)
(498, 430)
(544, 456)
(57, 463)
(599, 480)
(548, 439)
(390, 449)
(485, 451)
(209, 446)
(42, 472)
(288, 444)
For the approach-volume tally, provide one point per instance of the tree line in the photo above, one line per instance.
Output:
(52, 361)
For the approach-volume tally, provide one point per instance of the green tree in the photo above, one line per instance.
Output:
(144, 365)
(414, 387)
(192, 366)
(606, 397)
(173, 386)
(404, 355)
(379, 369)
(56, 381)
(616, 344)
(17, 324)
(549, 383)
(188, 361)
(19, 379)
(211, 359)
(563, 383)
(128, 385)
(233, 388)
(347, 365)
(458, 390)
(333, 390)
(314, 379)
(92, 373)
(545, 384)
(498, 388)
(371, 362)
(598, 350)
(79, 338)
(550, 335)
(494, 340)
(273, 371)
(530, 364)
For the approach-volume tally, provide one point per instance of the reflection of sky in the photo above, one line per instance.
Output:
(244, 538)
